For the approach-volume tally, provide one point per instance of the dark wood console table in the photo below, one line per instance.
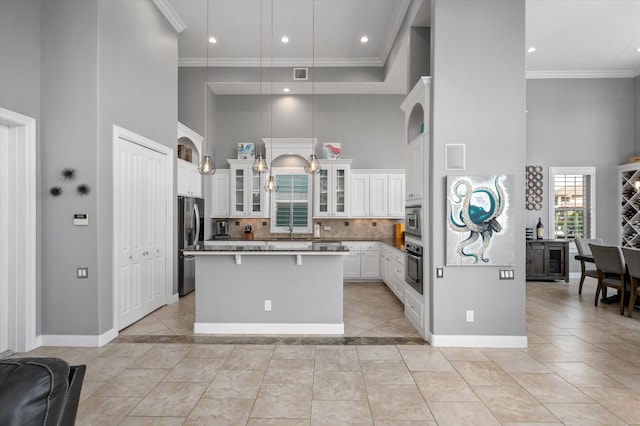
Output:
(547, 260)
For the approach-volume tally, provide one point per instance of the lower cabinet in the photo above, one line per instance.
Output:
(392, 270)
(547, 260)
(363, 260)
(414, 309)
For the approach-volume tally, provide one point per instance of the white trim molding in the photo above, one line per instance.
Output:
(460, 341)
(21, 199)
(531, 75)
(91, 341)
(262, 328)
(170, 14)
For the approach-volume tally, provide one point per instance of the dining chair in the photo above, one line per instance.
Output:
(632, 259)
(582, 244)
(611, 271)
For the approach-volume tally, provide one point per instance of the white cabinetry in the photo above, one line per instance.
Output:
(331, 188)
(392, 270)
(417, 112)
(247, 194)
(220, 193)
(377, 193)
(414, 309)
(189, 179)
(363, 260)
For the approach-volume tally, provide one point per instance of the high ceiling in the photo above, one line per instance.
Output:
(573, 38)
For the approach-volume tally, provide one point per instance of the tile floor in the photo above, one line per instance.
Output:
(582, 367)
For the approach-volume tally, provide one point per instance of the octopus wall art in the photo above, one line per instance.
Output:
(480, 229)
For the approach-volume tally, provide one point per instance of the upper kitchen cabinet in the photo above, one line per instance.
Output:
(220, 193)
(247, 194)
(417, 112)
(189, 178)
(331, 189)
(377, 194)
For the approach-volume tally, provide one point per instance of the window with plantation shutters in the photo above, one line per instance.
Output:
(572, 196)
(292, 205)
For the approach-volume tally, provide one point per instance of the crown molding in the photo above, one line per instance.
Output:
(282, 62)
(170, 14)
(401, 11)
(582, 74)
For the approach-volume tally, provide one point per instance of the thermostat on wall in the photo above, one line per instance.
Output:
(80, 219)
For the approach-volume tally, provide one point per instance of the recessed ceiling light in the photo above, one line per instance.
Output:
(284, 39)
(212, 40)
(364, 39)
(531, 49)
(285, 90)
(638, 50)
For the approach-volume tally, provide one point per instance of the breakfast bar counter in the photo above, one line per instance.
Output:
(269, 289)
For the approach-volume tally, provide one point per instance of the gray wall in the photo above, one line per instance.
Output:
(103, 63)
(582, 122)
(20, 85)
(478, 99)
(370, 127)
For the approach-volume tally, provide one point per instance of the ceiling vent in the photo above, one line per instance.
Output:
(301, 73)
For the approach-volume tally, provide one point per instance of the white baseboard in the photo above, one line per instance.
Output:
(173, 299)
(575, 275)
(78, 340)
(259, 328)
(479, 341)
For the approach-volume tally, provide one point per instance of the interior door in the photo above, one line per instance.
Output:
(4, 239)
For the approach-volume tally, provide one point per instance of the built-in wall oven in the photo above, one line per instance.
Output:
(412, 221)
(413, 266)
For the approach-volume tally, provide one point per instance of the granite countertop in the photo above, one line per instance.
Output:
(396, 243)
(315, 246)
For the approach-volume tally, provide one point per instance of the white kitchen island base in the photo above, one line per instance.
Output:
(304, 289)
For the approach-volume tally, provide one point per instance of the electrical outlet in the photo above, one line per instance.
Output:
(469, 316)
(439, 272)
(327, 228)
(82, 273)
(267, 305)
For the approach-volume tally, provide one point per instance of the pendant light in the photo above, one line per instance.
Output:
(260, 165)
(206, 165)
(271, 185)
(312, 165)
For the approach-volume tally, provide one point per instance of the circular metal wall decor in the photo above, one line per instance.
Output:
(533, 176)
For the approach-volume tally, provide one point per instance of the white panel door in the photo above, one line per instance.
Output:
(378, 189)
(4, 239)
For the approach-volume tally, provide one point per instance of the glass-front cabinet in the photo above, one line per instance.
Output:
(247, 195)
(331, 189)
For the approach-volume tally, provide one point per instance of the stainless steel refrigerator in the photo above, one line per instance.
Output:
(190, 232)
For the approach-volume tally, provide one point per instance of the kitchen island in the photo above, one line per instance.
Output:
(269, 289)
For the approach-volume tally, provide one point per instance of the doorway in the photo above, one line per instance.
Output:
(17, 232)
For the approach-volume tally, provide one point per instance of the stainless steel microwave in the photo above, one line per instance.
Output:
(412, 221)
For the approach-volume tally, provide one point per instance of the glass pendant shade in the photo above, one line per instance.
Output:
(271, 185)
(206, 166)
(312, 165)
(259, 165)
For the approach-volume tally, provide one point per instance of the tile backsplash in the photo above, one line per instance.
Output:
(338, 228)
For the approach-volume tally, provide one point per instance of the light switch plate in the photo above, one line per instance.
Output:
(80, 219)
(82, 273)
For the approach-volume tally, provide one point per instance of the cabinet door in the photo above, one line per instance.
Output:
(183, 178)
(370, 264)
(385, 260)
(321, 193)
(257, 202)
(536, 254)
(396, 196)
(340, 188)
(378, 195)
(359, 195)
(220, 194)
(238, 191)
(195, 181)
(415, 169)
(352, 264)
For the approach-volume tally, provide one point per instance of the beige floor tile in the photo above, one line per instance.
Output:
(295, 372)
(516, 361)
(406, 423)
(132, 383)
(330, 413)
(425, 360)
(443, 386)
(620, 401)
(573, 344)
(104, 411)
(220, 412)
(485, 373)
(210, 351)
(513, 404)
(153, 421)
(170, 399)
(337, 358)
(547, 352)
(294, 352)
(248, 359)
(339, 386)
(278, 422)
(235, 384)
(195, 370)
(462, 413)
(283, 401)
(105, 369)
(463, 354)
(584, 415)
(161, 357)
(123, 350)
(385, 372)
(378, 352)
(550, 388)
(397, 402)
(580, 374)
(89, 388)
